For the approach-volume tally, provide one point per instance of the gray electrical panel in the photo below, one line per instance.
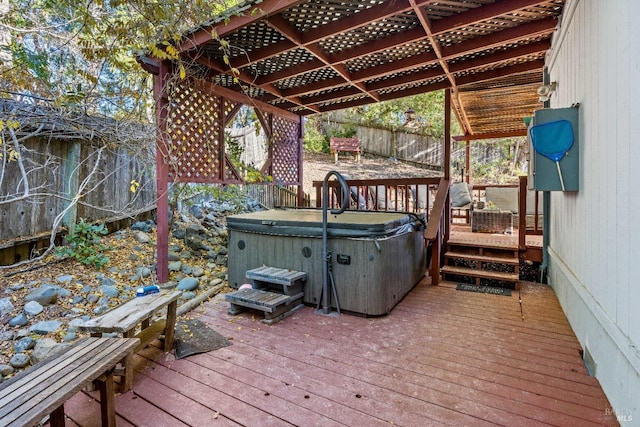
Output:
(543, 171)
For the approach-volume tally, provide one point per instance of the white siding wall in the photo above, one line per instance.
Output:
(595, 233)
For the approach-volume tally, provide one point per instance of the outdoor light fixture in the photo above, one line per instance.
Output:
(545, 91)
(410, 114)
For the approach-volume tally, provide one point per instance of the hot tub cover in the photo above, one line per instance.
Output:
(308, 223)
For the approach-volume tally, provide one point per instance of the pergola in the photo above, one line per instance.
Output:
(292, 58)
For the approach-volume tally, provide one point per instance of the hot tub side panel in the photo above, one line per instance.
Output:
(370, 279)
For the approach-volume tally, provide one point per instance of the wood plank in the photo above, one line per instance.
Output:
(129, 314)
(484, 274)
(482, 258)
(38, 391)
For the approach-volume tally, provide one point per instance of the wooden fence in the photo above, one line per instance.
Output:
(57, 169)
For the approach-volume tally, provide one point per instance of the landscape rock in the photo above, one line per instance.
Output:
(20, 360)
(188, 295)
(19, 320)
(188, 284)
(33, 308)
(6, 335)
(197, 271)
(173, 256)
(186, 269)
(6, 370)
(92, 298)
(144, 226)
(24, 344)
(6, 306)
(43, 295)
(110, 291)
(45, 327)
(65, 278)
(44, 347)
(142, 237)
(175, 266)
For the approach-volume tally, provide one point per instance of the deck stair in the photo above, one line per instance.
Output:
(484, 262)
(278, 292)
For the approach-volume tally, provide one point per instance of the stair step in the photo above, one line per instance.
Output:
(483, 274)
(482, 258)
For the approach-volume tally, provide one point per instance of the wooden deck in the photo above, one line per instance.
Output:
(441, 357)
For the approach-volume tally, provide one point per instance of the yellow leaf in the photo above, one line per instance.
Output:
(183, 72)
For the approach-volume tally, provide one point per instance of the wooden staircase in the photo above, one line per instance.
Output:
(486, 263)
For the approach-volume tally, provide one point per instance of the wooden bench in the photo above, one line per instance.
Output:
(351, 145)
(276, 291)
(43, 389)
(136, 314)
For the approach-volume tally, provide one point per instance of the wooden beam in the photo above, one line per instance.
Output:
(495, 135)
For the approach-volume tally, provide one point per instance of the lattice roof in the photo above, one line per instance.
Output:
(311, 56)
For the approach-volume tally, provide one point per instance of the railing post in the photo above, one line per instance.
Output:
(522, 213)
(435, 260)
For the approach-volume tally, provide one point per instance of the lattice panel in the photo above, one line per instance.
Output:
(285, 163)
(193, 121)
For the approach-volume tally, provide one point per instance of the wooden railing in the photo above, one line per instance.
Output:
(397, 194)
(437, 233)
(272, 196)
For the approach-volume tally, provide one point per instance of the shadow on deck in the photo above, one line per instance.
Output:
(440, 357)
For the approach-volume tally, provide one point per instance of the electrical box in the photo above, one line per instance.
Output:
(544, 173)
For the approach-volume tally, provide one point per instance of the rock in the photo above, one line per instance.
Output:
(21, 333)
(17, 287)
(33, 308)
(173, 256)
(78, 299)
(185, 255)
(186, 269)
(43, 295)
(108, 281)
(6, 335)
(144, 271)
(92, 298)
(44, 347)
(142, 237)
(144, 226)
(212, 254)
(76, 311)
(223, 251)
(45, 327)
(188, 295)
(69, 336)
(138, 248)
(194, 242)
(197, 272)
(196, 211)
(175, 248)
(65, 278)
(134, 278)
(19, 320)
(24, 344)
(133, 257)
(100, 309)
(6, 370)
(19, 360)
(221, 260)
(110, 291)
(179, 233)
(188, 284)
(175, 266)
(5, 306)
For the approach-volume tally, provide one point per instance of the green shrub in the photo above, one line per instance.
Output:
(85, 244)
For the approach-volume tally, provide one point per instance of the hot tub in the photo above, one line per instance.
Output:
(377, 257)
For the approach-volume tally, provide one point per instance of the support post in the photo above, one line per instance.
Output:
(300, 162)
(467, 162)
(162, 171)
(447, 159)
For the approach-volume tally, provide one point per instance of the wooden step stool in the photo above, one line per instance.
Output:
(276, 291)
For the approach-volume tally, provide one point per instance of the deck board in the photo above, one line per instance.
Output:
(441, 357)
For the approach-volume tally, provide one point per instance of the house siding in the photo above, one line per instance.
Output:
(594, 246)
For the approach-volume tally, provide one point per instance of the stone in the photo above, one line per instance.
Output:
(19, 320)
(92, 298)
(141, 237)
(108, 281)
(20, 360)
(188, 295)
(65, 278)
(17, 287)
(179, 233)
(188, 284)
(196, 211)
(6, 306)
(186, 269)
(21, 333)
(33, 308)
(144, 226)
(69, 336)
(44, 347)
(100, 309)
(174, 256)
(24, 344)
(185, 255)
(6, 336)
(110, 291)
(221, 260)
(43, 295)
(175, 266)
(197, 271)
(175, 248)
(133, 257)
(6, 370)
(77, 300)
(45, 327)
(144, 271)
(138, 248)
